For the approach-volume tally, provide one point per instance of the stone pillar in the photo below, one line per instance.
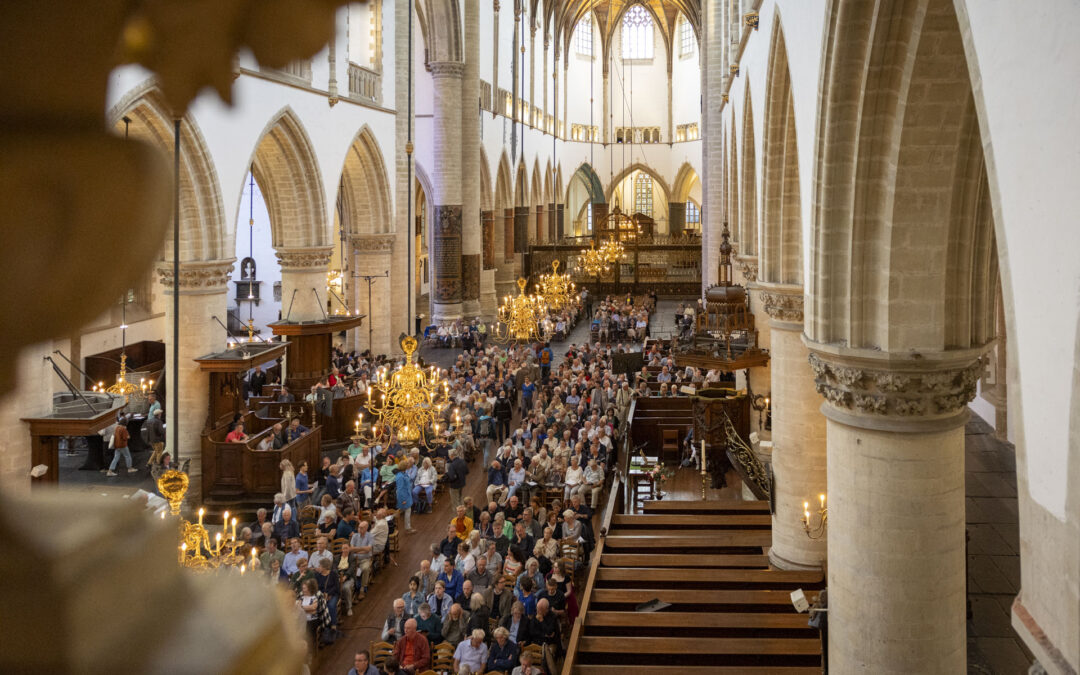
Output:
(204, 294)
(447, 292)
(541, 220)
(712, 86)
(760, 378)
(532, 71)
(560, 230)
(373, 254)
(896, 572)
(488, 298)
(676, 217)
(303, 270)
(471, 238)
(401, 283)
(566, 97)
(798, 431)
(496, 104)
(551, 220)
(599, 212)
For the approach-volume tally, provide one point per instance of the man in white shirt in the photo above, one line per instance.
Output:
(471, 655)
(322, 552)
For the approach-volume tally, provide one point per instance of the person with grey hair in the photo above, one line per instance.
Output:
(471, 655)
(503, 654)
(527, 667)
(456, 473)
(394, 626)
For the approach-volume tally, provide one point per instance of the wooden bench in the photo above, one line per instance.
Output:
(718, 507)
(677, 560)
(685, 522)
(737, 538)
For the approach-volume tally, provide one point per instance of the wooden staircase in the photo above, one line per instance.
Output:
(730, 612)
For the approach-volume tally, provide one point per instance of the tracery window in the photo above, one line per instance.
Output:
(693, 215)
(686, 38)
(637, 33)
(583, 37)
(643, 193)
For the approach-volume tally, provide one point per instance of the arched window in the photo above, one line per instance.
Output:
(643, 189)
(583, 36)
(693, 215)
(686, 38)
(637, 33)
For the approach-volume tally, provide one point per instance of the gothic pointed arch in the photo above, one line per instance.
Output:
(636, 166)
(684, 182)
(780, 257)
(364, 193)
(748, 193)
(287, 171)
(203, 233)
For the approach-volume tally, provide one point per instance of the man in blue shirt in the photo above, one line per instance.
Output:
(296, 430)
(288, 565)
(527, 391)
(451, 577)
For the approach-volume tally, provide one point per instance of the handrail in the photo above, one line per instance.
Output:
(579, 622)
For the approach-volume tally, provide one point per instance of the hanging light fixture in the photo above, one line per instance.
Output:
(406, 402)
(556, 289)
(591, 262)
(519, 317)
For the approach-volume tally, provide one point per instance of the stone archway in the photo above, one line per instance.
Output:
(896, 328)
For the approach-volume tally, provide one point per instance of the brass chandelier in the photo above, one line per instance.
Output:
(613, 251)
(197, 550)
(592, 262)
(556, 289)
(405, 402)
(520, 316)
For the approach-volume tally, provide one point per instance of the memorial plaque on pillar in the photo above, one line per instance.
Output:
(446, 254)
(470, 276)
(521, 229)
(487, 223)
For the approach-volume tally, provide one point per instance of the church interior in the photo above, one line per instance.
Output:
(573, 337)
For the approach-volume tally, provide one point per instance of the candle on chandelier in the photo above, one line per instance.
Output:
(201, 511)
(234, 529)
(183, 551)
(822, 498)
(703, 462)
(225, 520)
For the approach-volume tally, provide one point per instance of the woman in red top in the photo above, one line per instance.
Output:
(237, 435)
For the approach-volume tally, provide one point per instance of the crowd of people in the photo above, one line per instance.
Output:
(503, 576)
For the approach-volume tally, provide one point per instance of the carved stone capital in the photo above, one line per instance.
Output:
(782, 302)
(447, 69)
(373, 243)
(211, 276)
(748, 267)
(898, 392)
(304, 259)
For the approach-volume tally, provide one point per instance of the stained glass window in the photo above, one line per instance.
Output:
(693, 215)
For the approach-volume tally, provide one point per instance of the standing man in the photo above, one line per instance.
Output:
(155, 435)
(256, 382)
(456, 473)
(545, 362)
(503, 412)
(155, 404)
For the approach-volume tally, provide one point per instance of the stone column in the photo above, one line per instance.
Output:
(532, 71)
(496, 103)
(204, 294)
(566, 97)
(896, 572)
(541, 220)
(798, 431)
(373, 254)
(303, 270)
(551, 221)
(447, 292)
(401, 284)
(471, 238)
(712, 86)
(760, 378)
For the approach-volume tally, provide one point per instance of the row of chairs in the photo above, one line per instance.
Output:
(442, 657)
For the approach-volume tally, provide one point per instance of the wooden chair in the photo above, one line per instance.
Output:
(308, 528)
(380, 651)
(537, 653)
(335, 545)
(670, 446)
(442, 657)
(309, 514)
(440, 470)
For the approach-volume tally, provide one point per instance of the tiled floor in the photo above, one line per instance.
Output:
(993, 553)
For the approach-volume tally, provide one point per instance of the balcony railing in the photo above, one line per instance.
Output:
(364, 84)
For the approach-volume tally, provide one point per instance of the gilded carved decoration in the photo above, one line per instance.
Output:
(928, 389)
